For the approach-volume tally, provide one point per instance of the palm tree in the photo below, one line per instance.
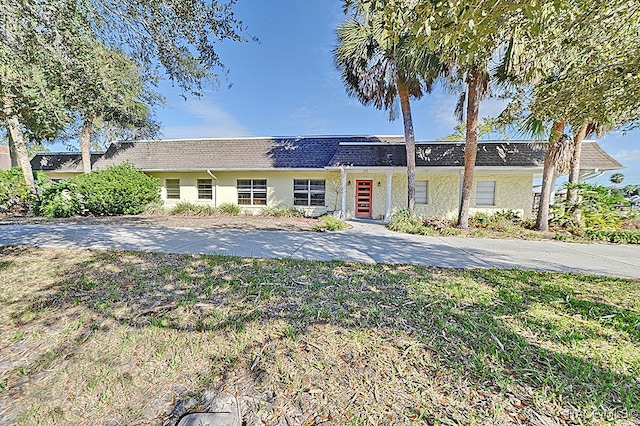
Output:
(557, 159)
(378, 67)
(477, 84)
(616, 178)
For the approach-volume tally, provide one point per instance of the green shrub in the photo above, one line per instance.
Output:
(229, 208)
(621, 236)
(282, 212)
(191, 209)
(120, 189)
(403, 221)
(597, 208)
(15, 195)
(330, 223)
(155, 208)
(504, 220)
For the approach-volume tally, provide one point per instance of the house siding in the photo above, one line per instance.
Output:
(279, 188)
(512, 192)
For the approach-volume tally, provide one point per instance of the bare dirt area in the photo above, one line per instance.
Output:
(264, 223)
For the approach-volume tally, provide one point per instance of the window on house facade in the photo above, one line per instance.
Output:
(173, 188)
(205, 189)
(308, 192)
(252, 192)
(485, 193)
(422, 192)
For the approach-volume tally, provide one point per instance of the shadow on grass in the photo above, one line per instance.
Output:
(475, 323)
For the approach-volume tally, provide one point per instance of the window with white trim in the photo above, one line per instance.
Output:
(485, 193)
(308, 192)
(205, 189)
(422, 192)
(173, 188)
(252, 192)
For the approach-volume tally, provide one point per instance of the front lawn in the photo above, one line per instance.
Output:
(247, 222)
(137, 338)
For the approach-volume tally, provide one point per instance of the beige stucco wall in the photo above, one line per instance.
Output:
(279, 188)
(512, 191)
(61, 176)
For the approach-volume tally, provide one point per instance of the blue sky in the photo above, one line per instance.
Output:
(287, 85)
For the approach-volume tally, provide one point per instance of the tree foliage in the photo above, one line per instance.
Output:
(380, 65)
(56, 56)
(120, 189)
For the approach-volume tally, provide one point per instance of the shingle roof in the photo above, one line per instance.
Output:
(248, 153)
(594, 157)
(438, 154)
(70, 162)
(448, 154)
(312, 153)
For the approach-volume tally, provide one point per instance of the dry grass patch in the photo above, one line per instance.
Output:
(133, 338)
(248, 222)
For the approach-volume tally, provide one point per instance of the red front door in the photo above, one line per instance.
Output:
(364, 192)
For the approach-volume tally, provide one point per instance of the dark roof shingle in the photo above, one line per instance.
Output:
(438, 154)
(70, 162)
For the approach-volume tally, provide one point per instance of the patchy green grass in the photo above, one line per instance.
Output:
(134, 338)
(330, 223)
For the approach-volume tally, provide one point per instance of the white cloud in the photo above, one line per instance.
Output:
(627, 155)
(209, 121)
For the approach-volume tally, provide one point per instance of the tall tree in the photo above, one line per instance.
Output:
(466, 36)
(104, 85)
(166, 37)
(580, 75)
(379, 66)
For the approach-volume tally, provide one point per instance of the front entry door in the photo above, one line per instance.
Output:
(364, 193)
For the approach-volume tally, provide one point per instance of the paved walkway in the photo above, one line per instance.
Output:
(366, 242)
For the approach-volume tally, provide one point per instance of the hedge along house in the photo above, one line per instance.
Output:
(361, 176)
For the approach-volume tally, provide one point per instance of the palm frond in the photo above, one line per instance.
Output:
(459, 110)
(533, 127)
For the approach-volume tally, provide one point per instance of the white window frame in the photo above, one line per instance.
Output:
(255, 188)
(205, 189)
(309, 192)
(419, 186)
(486, 193)
(173, 192)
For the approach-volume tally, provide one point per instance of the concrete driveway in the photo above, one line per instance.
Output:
(365, 242)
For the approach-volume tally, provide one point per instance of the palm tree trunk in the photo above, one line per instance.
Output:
(471, 145)
(574, 174)
(85, 143)
(542, 222)
(409, 137)
(18, 144)
(13, 155)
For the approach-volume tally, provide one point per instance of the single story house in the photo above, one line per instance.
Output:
(361, 176)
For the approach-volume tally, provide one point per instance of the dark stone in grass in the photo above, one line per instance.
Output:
(209, 419)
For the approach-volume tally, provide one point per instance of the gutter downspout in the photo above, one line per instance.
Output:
(594, 174)
(387, 213)
(215, 196)
(343, 190)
